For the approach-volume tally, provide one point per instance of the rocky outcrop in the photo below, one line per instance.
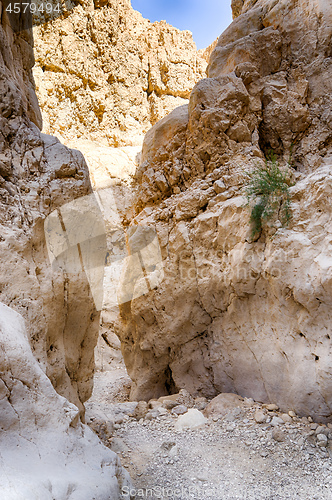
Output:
(106, 74)
(45, 451)
(51, 277)
(37, 176)
(233, 314)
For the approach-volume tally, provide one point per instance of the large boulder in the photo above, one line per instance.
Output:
(46, 452)
(233, 314)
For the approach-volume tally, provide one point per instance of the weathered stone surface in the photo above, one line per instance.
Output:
(222, 404)
(46, 367)
(45, 451)
(40, 175)
(232, 314)
(106, 74)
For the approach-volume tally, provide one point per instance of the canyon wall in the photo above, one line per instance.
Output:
(37, 176)
(233, 313)
(106, 74)
(49, 316)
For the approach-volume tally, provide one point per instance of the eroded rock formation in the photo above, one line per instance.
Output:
(38, 175)
(232, 314)
(45, 451)
(104, 73)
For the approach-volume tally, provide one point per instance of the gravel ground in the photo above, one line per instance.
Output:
(231, 457)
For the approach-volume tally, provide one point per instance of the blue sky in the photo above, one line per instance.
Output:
(206, 19)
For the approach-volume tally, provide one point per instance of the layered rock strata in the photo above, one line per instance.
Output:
(233, 314)
(106, 74)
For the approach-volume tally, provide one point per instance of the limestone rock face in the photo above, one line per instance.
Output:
(45, 451)
(232, 314)
(104, 73)
(38, 176)
(46, 367)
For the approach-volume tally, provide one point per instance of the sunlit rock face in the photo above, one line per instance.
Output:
(49, 303)
(233, 314)
(106, 74)
(37, 176)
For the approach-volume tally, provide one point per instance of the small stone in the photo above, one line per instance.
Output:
(313, 426)
(321, 429)
(260, 416)
(309, 419)
(140, 410)
(201, 403)
(117, 426)
(219, 186)
(248, 402)
(162, 411)
(329, 425)
(169, 404)
(277, 421)
(321, 440)
(271, 407)
(153, 403)
(278, 435)
(179, 410)
(264, 453)
(292, 413)
(192, 419)
(286, 418)
(301, 441)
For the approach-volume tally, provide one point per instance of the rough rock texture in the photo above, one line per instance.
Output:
(46, 452)
(233, 314)
(104, 73)
(38, 175)
(45, 367)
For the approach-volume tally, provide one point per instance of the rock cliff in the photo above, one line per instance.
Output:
(46, 246)
(233, 314)
(38, 175)
(106, 74)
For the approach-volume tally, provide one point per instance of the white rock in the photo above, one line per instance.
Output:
(45, 451)
(277, 421)
(190, 420)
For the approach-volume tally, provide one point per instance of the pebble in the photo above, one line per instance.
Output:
(286, 418)
(179, 410)
(321, 429)
(271, 407)
(321, 440)
(260, 416)
(278, 435)
(277, 421)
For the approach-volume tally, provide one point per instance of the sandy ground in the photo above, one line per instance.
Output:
(228, 458)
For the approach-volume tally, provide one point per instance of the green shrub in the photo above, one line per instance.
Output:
(267, 191)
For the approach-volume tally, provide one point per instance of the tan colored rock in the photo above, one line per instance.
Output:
(233, 315)
(38, 176)
(106, 74)
(223, 404)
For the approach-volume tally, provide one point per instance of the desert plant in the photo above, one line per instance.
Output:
(267, 192)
